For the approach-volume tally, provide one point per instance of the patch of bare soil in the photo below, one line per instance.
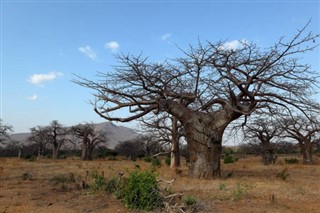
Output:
(245, 186)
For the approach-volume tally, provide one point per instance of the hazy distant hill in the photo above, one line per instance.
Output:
(115, 133)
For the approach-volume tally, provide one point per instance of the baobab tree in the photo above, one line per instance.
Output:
(89, 137)
(208, 88)
(57, 137)
(306, 131)
(39, 136)
(262, 135)
(167, 130)
(5, 130)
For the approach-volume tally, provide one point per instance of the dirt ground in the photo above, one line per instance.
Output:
(34, 187)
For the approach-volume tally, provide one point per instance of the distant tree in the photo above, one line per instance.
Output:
(262, 135)
(166, 129)
(284, 147)
(40, 137)
(89, 138)
(5, 131)
(130, 149)
(305, 131)
(57, 137)
(210, 87)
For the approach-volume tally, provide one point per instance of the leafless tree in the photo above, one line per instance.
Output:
(89, 137)
(5, 131)
(262, 135)
(57, 137)
(167, 129)
(40, 136)
(209, 88)
(305, 131)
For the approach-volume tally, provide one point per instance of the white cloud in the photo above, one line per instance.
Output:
(38, 79)
(233, 45)
(88, 52)
(112, 45)
(166, 36)
(33, 97)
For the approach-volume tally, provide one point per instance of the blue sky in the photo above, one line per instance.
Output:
(44, 42)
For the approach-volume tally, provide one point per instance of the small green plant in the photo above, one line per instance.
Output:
(291, 160)
(240, 192)
(99, 182)
(168, 161)
(228, 159)
(113, 185)
(222, 186)
(189, 200)
(156, 162)
(141, 191)
(284, 174)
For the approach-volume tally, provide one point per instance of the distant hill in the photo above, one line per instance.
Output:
(115, 133)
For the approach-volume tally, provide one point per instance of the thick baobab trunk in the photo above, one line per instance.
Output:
(306, 150)
(84, 152)
(55, 153)
(205, 157)
(175, 149)
(204, 137)
(90, 152)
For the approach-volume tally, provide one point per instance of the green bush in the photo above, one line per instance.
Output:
(147, 159)
(291, 160)
(156, 162)
(189, 200)
(228, 159)
(141, 191)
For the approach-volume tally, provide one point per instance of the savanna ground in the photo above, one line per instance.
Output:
(56, 186)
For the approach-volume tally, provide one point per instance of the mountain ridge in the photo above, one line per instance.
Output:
(114, 133)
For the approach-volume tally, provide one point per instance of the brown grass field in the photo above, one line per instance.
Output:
(28, 187)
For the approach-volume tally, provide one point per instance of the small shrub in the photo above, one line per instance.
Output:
(147, 159)
(156, 162)
(189, 200)
(240, 192)
(30, 158)
(228, 159)
(99, 182)
(291, 161)
(168, 161)
(141, 191)
(222, 186)
(284, 174)
(112, 185)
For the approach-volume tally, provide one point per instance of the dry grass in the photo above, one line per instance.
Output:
(56, 186)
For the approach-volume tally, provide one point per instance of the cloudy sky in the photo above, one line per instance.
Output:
(43, 43)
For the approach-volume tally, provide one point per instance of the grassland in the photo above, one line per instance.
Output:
(57, 186)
